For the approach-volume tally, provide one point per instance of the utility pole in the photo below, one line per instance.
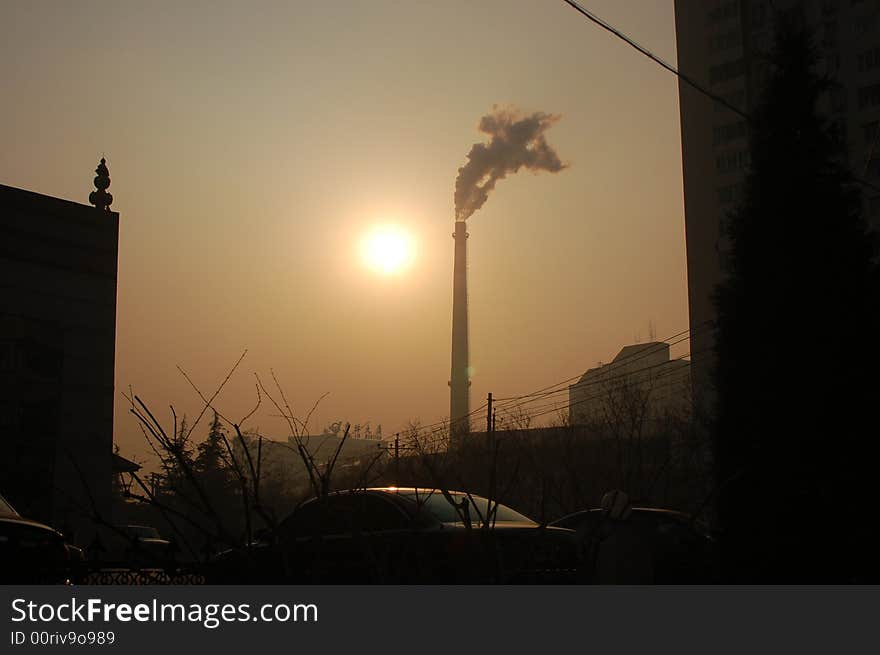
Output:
(397, 459)
(493, 448)
(489, 414)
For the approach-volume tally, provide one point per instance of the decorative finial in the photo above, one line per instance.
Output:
(100, 198)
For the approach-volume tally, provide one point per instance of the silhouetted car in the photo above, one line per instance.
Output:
(32, 552)
(136, 544)
(405, 535)
(645, 546)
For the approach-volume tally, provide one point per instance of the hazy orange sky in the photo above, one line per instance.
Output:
(252, 145)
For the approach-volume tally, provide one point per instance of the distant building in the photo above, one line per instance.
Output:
(641, 383)
(124, 471)
(57, 348)
(282, 463)
(722, 45)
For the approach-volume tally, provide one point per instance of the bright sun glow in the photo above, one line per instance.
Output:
(388, 250)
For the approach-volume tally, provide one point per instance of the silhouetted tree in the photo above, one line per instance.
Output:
(211, 458)
(214, 470)
(797, 368)
(176, 456)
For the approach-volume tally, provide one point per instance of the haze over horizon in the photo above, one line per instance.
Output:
(252, 148)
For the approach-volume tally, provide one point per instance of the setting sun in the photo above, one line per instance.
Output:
(388, 250)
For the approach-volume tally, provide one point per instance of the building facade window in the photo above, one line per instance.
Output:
(724, 41)
(829, 34)
(794, 16)
(869, 96)
(864, 24)
(10, 414)
(732, 161)
(737, 99)
(873, 167)
(838, 131)
(729, 194)
(832, 61)
(8, 359)
(727, 71)
(829, 7)
(725, 12)
(729, 132)
(759, 10)
(837, 97)
(868, 59)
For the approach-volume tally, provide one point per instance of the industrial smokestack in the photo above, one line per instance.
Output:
(516, 141)
(459, 383)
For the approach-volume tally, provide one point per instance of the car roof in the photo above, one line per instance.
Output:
(413, 497)
(410, 500)
(397, 494)
(19, 520)
(404, 490)
(136, 525)
(8, 514)
(651, 510)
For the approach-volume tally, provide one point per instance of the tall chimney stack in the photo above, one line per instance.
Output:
(459, 383)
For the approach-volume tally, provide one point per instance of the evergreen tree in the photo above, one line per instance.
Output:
(212, 469)
(210, 453)
(797, 366)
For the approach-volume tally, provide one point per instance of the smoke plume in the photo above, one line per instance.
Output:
(516, 141)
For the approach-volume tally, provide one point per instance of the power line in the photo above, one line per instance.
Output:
(608, 367)
(684, 78)
(445, 422)
(641, 354)
(540, 393)
(555, 407)
(681, 76)
(604, 394)
(571, 379)
(543, 410)
(634, 357)
(606, 380)
(609, 383)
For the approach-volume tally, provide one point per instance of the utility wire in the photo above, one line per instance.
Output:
(684, 78)
(557, 407)
(511, 401)
(635, 356)
(605, 393)
(445, 422)
(511, 405)
(641, 354)
(607, 382)
(543, 410)
(602, 380)
(597, 397)
(571, 379)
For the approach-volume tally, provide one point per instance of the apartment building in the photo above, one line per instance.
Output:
(722, 45)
